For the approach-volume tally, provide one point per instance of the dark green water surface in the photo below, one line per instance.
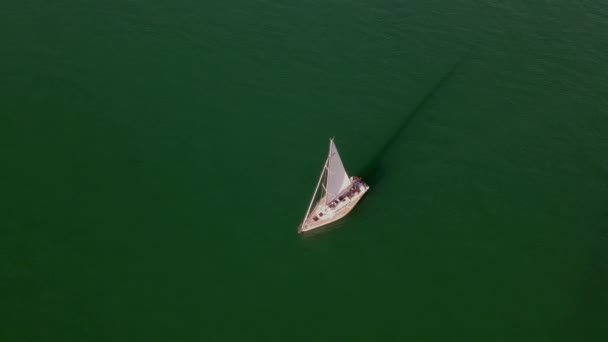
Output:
(158, 156)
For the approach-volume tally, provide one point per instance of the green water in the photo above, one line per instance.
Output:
(157, 158)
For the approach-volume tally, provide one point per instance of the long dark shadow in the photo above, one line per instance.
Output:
(372, 172)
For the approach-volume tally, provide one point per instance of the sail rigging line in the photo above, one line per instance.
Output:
(315, 193)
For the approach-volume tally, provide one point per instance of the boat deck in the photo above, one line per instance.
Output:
(343, 204)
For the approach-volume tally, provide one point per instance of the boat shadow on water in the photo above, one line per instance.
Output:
(372, 172)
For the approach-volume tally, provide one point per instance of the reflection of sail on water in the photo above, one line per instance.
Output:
(337, 178)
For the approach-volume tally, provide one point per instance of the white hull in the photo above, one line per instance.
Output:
(323, 213)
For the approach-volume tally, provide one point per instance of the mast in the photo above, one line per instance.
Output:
(315, 193)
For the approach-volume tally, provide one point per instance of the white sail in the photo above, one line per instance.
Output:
(337, 178)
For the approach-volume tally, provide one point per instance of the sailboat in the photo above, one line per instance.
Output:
(339, 196)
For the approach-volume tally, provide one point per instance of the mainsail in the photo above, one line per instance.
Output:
(337, 179)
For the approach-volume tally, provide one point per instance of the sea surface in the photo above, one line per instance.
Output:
(157, 158)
